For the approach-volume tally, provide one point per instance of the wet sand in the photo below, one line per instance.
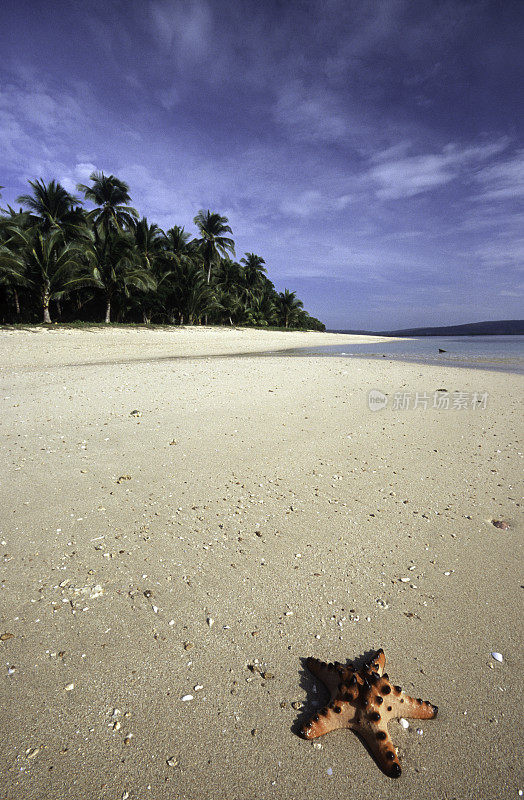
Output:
(252, 513)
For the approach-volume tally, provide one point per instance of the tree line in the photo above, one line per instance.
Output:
(62, 262)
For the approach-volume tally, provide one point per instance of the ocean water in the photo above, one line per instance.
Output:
(504, 353)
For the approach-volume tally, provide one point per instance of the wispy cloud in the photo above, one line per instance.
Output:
(503, 180)
(307, 115)
(400, 177)
(183, 27)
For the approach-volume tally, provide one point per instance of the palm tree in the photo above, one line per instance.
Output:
(12, 266)
(45, 263)
(213, 243)
(253, 272)
(150, 249)
(111, 196)
(149, 242)
(190, 294)
(114, 267)
(51, 206)
(290, 307)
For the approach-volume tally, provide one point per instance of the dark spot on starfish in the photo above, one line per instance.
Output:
(386, 689)
(401, 699)
(395, 771)
(385, 676)
(352, 680)
(367, 683)
(419, 700)
(381, 735)
(323, 712)
(315, 717)
(398, 689)
(380, 650)
(389, 708)
(391, 755)
(380, 700)
(375, 716)
(435, 711)
(337, 709)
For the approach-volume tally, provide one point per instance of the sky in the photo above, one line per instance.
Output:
(371, 151)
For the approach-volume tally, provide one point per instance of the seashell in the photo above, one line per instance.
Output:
(69, 687)
(187, 697)
(497, 656)
(404, 723)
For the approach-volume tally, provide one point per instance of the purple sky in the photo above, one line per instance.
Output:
(370, 150)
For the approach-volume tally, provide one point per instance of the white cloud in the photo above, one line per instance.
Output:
(503, 180)
(397, 176)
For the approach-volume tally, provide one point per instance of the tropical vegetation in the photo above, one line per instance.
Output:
(63, 262)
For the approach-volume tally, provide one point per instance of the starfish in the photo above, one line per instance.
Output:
(364, 701)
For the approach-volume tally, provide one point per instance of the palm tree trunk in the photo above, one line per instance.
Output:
(17, 301)
(45, 303)
(108, 311)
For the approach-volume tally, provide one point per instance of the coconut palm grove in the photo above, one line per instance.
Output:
(62, 262)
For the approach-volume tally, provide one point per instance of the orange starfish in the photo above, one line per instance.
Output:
(365, 701)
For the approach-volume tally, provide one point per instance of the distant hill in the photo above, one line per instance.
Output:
(501, 327)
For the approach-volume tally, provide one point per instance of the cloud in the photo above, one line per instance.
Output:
(396, 176)
(182, 27)
(79, 174)
(309, 115)
(503, 180)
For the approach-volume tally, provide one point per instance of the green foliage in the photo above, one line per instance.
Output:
(59, 258)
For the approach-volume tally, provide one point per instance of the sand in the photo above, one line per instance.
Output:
(254, 512)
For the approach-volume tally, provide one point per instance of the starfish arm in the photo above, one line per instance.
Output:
(379, 742)
(329, 674)
(405, 706)
(333, 717)
(378, 662)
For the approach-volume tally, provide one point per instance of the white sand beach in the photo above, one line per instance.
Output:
(250, 513)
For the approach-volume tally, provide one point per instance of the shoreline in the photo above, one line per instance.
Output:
(251, 513)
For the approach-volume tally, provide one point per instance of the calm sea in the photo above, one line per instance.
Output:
(505, 353)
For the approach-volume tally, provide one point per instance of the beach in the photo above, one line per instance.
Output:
(185, 520)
